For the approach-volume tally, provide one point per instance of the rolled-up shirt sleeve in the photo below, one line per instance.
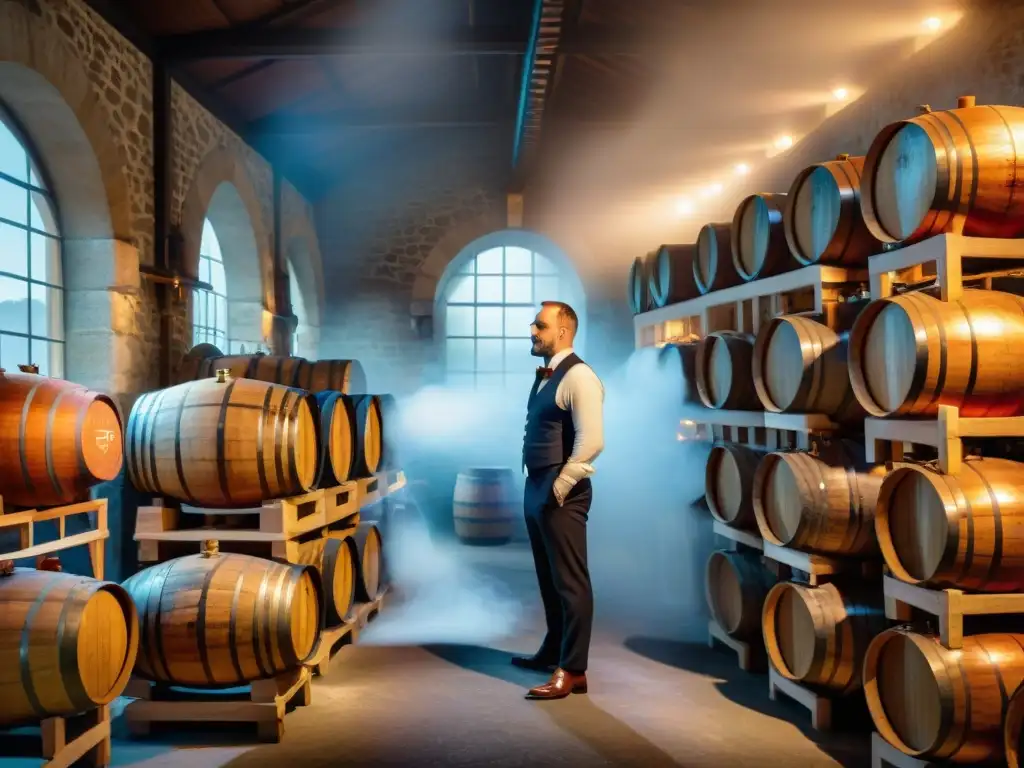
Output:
(582, 394)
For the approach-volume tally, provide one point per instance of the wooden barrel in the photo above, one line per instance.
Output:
(224, 442)
(713, 268)
(911, 353)
(944, 171)
(728, 484)
(928, 701)
(338, 571)
(680, 359)
(225, 619)
(370, 565)
(369, 434)
(724, 374)
(820, 635)
(954, 530)
(345, 376)
(337, 438)
(1013, 729)
(736, 585)
(389, 439)
(824, 503)
(193, 362)
(67, 644)
(759, 247)
(486, 505)
(800, 366)
(822, 219)
(286, 371)
(57, 440)
(672, 275)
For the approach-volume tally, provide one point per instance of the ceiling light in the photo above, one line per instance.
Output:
(684, 207)
(933, 23)
(840, 94)
(712, 190)
(784, 142)
(742, 169)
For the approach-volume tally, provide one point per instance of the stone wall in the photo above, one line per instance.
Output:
(82, 95)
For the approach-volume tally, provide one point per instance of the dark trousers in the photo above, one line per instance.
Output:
(558, 536)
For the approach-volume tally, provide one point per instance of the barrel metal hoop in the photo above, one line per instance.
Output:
(68, 626)
(222, 462)
(26, 410)
(179, 464)
(25, 648)
(261, 470)
(257, 626)
(202, 645)
(279, 426)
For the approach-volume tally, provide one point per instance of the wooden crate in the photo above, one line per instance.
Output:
(949, 605)
(336, 638)
(751, 656)
(61, 742)
(265, 703)
(24, 522)
(747, 306)
(945, 259)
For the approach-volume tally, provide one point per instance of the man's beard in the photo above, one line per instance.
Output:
(539, 350)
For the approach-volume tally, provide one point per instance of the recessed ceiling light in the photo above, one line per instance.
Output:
(684, 207)
(713, 189)
(742, 169)
(784, 142)
(933, 23)
(840, 94)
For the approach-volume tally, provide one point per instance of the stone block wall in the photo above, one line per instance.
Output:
(82, 96)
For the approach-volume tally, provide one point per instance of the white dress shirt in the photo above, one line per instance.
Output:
(582, 394)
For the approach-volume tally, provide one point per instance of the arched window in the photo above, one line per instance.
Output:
(31, 278)
(489, 304)
(210, 308)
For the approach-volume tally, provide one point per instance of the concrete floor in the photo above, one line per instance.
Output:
(430, 684)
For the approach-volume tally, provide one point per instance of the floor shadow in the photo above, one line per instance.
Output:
(487, 661)
(849, 744)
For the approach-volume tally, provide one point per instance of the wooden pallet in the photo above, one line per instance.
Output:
(949, 605)
(885, 755)
(336, 638)
(747, 306)
(888, 440)
(738, 537)
(25, 521)
(758, 429)
(61, 742)
(946, 259)
(265, 704)
(821, 568)
(751, 656)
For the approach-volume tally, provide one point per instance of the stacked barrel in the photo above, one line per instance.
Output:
(68, 643)
(237, 432)
(906, 354)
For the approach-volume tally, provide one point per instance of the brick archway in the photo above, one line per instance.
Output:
(223, 192)
(44, 86)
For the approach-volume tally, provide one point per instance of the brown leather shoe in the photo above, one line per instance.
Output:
(560, 685)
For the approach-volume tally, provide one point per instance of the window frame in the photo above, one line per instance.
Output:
(220, 337)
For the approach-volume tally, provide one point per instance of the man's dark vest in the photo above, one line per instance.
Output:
(550, 434)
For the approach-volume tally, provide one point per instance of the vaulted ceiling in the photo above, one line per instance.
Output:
(314, 83)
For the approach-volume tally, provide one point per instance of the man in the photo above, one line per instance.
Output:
(564, 434)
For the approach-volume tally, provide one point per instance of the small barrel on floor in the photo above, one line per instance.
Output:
(207, 620)
(486, 505)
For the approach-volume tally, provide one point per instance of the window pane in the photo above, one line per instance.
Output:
(462, 290)
(544, 266)
(518, 261)
(49, 356)
(222, 315)
(13, 306)
(13, 352)
(42, 214)
(548, 289)
(490, 355)
(459, 354)
(488, 290)
(217, 279)
(13, 202)
(459, 321)
(196, 304)
(490, 381)
(489, 262)
(461, 380)
(13, 251)
(518, 358)
(519, 290)
(204, 270)
(469, 268)
(13, 160)
(518, 321)
(47, 311)
(46, 266)
(488, 321)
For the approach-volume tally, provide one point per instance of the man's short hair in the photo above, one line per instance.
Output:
(566, 314)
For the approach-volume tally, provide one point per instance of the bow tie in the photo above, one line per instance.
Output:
(544, 373)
